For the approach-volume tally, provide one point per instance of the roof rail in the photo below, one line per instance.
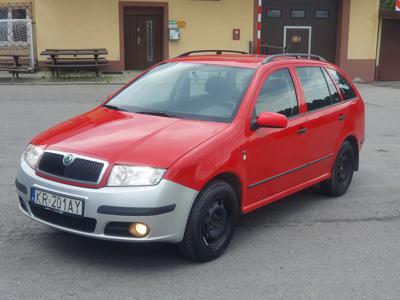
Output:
(294, 55)
(218, 52)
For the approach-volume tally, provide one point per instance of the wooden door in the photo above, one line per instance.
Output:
(143, 40)
(389, 62)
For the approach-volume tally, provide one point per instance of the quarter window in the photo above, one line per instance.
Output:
(332, 88)
(278, 95)
(316, 91)
(344, 86)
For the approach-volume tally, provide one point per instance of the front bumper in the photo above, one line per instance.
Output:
(164, 208)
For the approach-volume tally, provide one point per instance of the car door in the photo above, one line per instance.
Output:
(274, 156)
(326, 116)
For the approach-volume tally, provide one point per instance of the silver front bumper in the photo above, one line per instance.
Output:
(146, 201)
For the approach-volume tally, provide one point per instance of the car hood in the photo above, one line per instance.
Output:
(128, 138)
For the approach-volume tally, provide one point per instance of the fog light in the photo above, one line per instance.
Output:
(139, 229)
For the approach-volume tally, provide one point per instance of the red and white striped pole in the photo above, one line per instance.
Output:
(259, 27)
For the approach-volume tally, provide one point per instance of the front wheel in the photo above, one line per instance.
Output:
(211, 222)
(342, 172)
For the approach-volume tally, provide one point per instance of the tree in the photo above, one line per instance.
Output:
(387, 4)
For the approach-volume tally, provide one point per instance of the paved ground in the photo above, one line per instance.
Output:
(45, 78)
(307, 246)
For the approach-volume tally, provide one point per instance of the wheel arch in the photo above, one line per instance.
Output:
(353, 141)
(234, 181)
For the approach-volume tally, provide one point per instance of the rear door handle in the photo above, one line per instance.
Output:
(302, 130)
(342, 117)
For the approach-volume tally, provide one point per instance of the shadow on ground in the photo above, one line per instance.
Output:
(139, 256)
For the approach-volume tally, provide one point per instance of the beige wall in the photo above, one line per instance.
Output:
(95, 23)
(364, 21)
(210, 24)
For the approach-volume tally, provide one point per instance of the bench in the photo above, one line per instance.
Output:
(14, 64)
(75, 59)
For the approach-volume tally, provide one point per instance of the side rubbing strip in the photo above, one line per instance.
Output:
(290, 171)
(135, 211)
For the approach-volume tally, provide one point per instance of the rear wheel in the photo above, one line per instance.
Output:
(211, 222)
(342, 172)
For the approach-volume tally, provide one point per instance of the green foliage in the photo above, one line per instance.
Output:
(387, 4)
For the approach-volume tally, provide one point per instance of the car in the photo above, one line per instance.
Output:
(190, 145)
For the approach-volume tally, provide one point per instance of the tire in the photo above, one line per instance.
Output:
(211, 223)
(342, 172)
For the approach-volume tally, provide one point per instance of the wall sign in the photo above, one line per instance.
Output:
(397, 5)
(174, 31)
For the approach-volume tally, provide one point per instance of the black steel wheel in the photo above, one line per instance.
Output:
(342, 172)
(211, 222)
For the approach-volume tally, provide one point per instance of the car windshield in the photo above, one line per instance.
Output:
(186, 90)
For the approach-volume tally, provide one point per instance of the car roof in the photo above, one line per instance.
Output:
(243, 60)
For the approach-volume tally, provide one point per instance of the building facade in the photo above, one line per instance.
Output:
(354, 34)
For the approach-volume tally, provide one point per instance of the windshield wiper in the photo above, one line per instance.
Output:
(113, 107)
(157, 113)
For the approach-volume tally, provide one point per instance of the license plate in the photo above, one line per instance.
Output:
(57, 202)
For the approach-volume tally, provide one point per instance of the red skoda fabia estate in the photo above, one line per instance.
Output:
(183, 150)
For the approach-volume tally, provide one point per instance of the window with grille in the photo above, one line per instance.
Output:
(13, 25)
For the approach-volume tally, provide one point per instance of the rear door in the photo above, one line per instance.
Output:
(325, 118)
(274, 156)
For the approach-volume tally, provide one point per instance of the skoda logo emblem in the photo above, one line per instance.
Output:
(68, 159)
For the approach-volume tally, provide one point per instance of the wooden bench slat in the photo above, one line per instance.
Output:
(73, 66)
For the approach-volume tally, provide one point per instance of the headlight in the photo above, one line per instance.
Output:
(135, 176)
(32, 155)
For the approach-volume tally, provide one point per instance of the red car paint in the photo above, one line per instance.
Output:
(195, 152)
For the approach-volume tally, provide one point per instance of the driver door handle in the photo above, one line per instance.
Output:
(342, 117)
(302, 130)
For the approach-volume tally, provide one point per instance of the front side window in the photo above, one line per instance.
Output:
(316, 91)
(344, 86)
(278, 95)
(187, 90)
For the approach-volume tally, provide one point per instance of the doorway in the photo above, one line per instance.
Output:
(320, 15)
(143, 37)
(389, 62)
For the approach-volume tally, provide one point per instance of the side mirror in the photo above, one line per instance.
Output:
(272, 120)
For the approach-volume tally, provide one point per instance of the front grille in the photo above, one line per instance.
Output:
(79, 170)
(68, 221)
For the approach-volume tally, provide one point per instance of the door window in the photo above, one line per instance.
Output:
(298, 13)
(149, 32)
(316, 91)
(274, 13)
(344, 85)
(278, 95)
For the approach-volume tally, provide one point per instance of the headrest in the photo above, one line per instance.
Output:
(218, 86)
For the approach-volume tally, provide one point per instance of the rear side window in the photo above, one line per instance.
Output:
(344, 86)
(316, 91)
(278, 95)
